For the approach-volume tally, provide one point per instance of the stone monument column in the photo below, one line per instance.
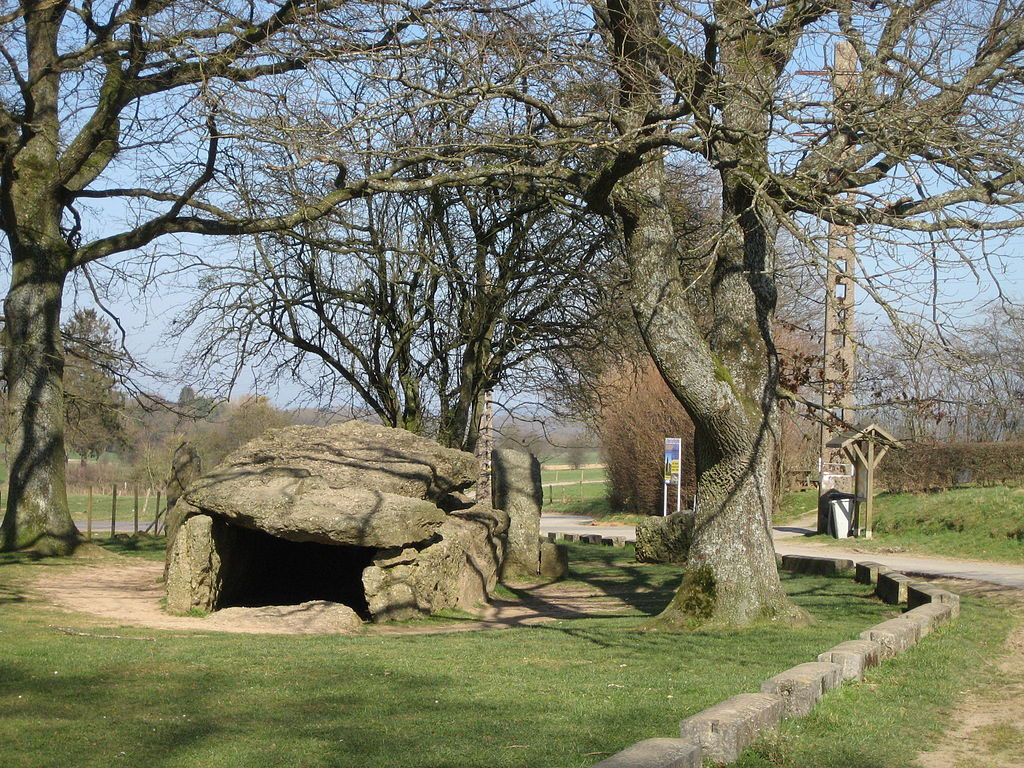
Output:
(516, 488)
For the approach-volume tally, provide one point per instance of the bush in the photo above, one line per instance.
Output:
(941, 466)
(638, 411)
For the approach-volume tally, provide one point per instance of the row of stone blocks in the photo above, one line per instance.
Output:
(721, 733)
(589, 538)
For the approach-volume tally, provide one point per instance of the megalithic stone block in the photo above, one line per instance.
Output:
(726, 729)
(801, 686)
(516, 489)
(656, 753)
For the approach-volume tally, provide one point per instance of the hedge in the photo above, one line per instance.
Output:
(940, 466)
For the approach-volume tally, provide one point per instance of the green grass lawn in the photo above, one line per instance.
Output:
(972, 523)
(564, 693)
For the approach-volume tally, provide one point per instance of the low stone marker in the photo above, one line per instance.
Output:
(664, 539)
(592, 538)
(867, 572)
(894, 636)
(726, 729)
(554, 560)
(570, 537)
(892, 587)
(801, 686)
(552, 536)
(656, 753)
(854, 657)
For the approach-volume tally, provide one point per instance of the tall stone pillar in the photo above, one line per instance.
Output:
(517, 490)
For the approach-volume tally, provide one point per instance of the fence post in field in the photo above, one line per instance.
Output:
(135, 510)
(88, 515)
(113, 510)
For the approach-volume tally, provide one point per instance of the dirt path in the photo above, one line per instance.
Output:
(988, 724)
(129, 592)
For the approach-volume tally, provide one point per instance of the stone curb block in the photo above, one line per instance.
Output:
(930, 616)
(894, 636)
(820, 566)
(892, 587)
(591, 538)
(867, 572)
(923, 593)
(656, 753)
(618, 541)
(552, 536)
(606, 541)
(801, 686)
(726, 729)
(719, 734)
(570, 537)
(854, 657)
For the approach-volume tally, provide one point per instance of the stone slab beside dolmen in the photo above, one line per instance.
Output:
(656, 753)
(726, 729)
(554, 560)
(516, 489)
(801, 686)
(354, 513)
(664, 539)
(854, 657)
(891, 587)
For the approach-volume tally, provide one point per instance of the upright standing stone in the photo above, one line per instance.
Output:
(515, 478)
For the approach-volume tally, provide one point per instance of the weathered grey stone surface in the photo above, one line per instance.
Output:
(618, 541)
(867, 572)
(592, 538)
(891, 587)
(193, 567)
(554, 560)
(821, 566)
(391, 502)
(854, 657)
(459, 570)
(656, 753)
(664, 539)
(726, 729)
(894, 636)
(312, 617)
(801, 686)
(929, 616)
(516, 488)
(922, 593)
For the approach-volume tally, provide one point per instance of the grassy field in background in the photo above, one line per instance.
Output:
(561, 695)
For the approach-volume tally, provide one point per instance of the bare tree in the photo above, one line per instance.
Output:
(126, 123)
(920, 140)
(412, 305)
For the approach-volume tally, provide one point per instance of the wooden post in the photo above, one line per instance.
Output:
(88, 515)
(551, 494)
(156, 517)
(581, 485)
(135, 510)
(113, 510)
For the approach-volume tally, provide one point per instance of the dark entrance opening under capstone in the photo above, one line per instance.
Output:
(267, 570)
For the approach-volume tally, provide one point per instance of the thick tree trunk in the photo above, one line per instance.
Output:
(725, 380)
(37, 511)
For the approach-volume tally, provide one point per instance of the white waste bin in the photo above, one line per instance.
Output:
(841, 512)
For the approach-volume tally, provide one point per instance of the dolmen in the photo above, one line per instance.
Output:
(369, 518)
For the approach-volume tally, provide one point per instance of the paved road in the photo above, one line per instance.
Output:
(792, 540)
